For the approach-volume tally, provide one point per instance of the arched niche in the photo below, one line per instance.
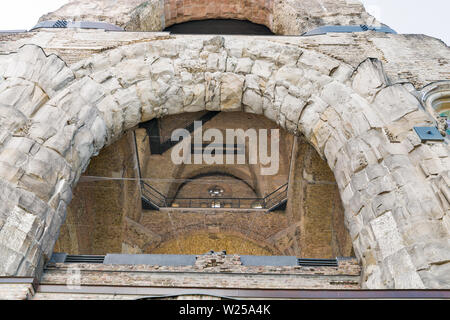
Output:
(200, 242)
(436, 98)
(100, 221)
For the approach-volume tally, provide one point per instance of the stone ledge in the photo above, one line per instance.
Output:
(346, 267)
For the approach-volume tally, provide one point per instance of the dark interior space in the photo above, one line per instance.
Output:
(220, 26)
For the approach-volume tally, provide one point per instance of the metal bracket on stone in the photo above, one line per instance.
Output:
(429, 134)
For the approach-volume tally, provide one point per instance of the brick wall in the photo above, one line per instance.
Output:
(257, 11)
(315, 208)
(94, 222)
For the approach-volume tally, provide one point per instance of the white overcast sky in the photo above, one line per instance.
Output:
(429, 17)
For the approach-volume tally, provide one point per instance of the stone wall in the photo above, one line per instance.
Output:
(392, 185)
(211, 273)
(111, 11)
(416, 59)
(314, 209)
(293, 17)
(288, 17)
(102, 201)
(191, 231)
(16, 291)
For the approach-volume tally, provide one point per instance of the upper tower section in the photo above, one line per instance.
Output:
(284, 17)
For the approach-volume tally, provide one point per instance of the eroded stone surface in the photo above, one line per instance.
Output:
(359, 121)
(288, 17)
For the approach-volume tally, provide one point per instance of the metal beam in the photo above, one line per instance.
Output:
(152, 127)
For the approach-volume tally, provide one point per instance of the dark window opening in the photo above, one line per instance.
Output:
(220, 26)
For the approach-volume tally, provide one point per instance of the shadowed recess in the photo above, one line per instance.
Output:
(220, 26)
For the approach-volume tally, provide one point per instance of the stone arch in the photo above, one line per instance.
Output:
(205, 172)
(286, 17)
(234, 238)
(392, 185)
(246, 172)
(259, 12)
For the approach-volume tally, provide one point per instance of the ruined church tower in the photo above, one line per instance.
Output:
(171, 145)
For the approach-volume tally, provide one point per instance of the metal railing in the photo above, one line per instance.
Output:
(152, 195)
(276, 197)
(157, 199)
(305, 262)
(232, 203)
(84, 259)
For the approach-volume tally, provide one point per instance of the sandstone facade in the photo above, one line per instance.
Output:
(353, 105)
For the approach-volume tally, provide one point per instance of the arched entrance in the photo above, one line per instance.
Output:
(104, 217)
(346, 114)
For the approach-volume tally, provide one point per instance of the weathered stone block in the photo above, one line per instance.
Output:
(231, 92)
